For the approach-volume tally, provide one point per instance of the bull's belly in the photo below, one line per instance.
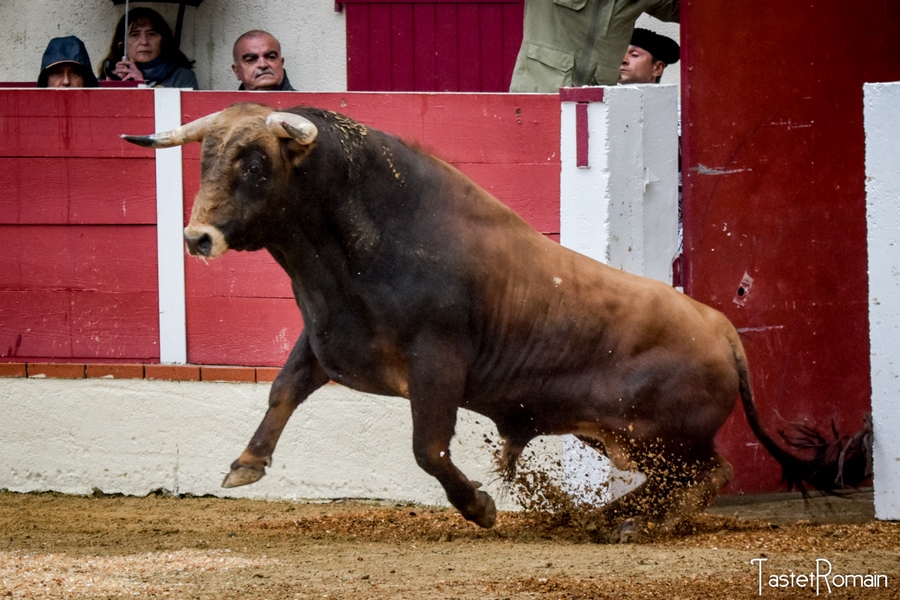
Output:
(601, 406)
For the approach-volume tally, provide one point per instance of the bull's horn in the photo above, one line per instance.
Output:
(289, 125)
(189, 132)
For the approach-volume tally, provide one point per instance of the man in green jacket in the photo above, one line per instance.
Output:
(573, 43)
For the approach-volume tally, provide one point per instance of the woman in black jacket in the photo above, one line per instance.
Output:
(152, 53)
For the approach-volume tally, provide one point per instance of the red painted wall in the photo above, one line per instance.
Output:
(774, 187)
(77, 224)
(432, 45)
(78, 271)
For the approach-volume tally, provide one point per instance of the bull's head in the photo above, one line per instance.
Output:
(249, 152)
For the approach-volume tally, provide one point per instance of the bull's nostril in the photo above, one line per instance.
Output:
(199, 245)
(205, 244)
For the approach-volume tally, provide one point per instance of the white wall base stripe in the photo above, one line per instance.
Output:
(182, 436)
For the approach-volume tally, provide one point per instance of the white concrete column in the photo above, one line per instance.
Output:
(618, 205)
(621, 207)
(660, 147)
(882, 124)
(170, 242)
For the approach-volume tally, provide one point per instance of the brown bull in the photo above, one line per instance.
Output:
(415, 282)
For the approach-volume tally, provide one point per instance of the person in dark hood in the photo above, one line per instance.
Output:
(148, 53)
(258, 62)
(66, 64)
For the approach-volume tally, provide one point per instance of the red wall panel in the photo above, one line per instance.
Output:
(77, 219)
(78, 292)
(427, 46)
(73, 123)
(95, 258)
(65, 190)
(238, 274)
(508, 146)
(507, 143)
(79, 325)
(78, 278)
(235, 330)
(774, 188)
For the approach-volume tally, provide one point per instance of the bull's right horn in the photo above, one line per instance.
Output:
(289, 125)
(189, 132)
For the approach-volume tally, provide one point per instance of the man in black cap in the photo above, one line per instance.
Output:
(647, 57)
(66, 64)
(573, 43)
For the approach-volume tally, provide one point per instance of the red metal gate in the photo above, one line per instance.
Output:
(432, 45)
(774, 200)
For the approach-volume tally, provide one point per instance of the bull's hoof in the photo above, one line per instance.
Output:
(488, 515)
(629, 531)
(241, 475)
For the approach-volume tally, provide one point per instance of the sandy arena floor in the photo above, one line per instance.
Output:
(55, 546)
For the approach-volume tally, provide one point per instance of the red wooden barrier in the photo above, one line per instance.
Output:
(80, 279)
(77, 220)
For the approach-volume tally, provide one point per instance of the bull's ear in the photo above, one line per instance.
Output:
(299, 135)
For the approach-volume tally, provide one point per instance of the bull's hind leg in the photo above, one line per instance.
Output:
(300, 377)
(693, 497)
(675, 490)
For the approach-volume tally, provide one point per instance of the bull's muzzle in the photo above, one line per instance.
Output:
(199, 245)
(205, 240)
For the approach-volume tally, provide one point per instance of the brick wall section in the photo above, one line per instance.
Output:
(39, 370)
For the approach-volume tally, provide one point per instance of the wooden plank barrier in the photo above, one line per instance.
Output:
(78, 275)
(77, 220)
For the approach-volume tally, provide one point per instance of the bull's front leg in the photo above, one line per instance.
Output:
(435, 392)
(300, 377)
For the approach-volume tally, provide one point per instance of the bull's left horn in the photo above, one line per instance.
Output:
(189, 132)
(284, 124)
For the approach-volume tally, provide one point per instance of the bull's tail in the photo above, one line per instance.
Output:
(842, 462)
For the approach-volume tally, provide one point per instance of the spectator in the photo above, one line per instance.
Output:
(150, 53)
(66, 64)
(258, 62)
(579, 42)
(647, 57)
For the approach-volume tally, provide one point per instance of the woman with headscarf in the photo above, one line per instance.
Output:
(152, 53)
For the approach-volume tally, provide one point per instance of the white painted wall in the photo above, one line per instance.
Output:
(136, 436)
(170, 233)
(882, 123)
(312, 36)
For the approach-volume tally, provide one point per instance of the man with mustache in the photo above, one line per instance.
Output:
(258, 63)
